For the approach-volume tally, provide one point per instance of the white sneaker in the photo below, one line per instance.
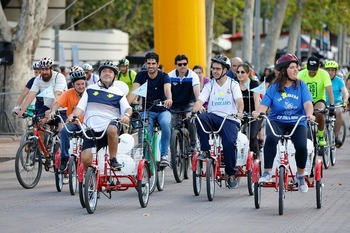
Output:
(266, 177)
(302, 185)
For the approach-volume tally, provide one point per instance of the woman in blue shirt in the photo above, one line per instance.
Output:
(289, 99)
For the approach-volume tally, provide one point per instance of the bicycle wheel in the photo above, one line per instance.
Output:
(333, 152)
(318, 194)
(72, 171)
(327, 149)
(342, 133)
(210, 179)
(58, 179)
(160, 177)
(148, 155)
(250, 183)
(187, 157)
(91, 190)
(257, 195)
(281, 191)
(28, 165)
(197, 178)
(143, 186)
(81, 194)
(177, 159)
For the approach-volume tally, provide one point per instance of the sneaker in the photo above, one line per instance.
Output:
(302, 185)
(192, 149)
(266, 177)
(63, 165)
(203, 156)
(164, 161)
(114, 164)
(321, 141)
(233, 182)
(338, 142)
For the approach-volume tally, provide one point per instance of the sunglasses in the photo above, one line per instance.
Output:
(240, 72)
(182, 64)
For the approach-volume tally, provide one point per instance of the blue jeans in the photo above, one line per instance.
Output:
(65, 142)
(164, 119)
(228, 134)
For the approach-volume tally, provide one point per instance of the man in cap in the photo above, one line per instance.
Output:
(318, 82)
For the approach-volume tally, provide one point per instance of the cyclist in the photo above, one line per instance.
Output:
(39, 102)
(251, 102)
(100, 103)
(125, 74)
(47, 78)
(232, 72)
(288, 98)
(91, 78)
(340, 94)
(224, 97)
(318, 81)
(69, 99)
(185, 91)
(158, 88)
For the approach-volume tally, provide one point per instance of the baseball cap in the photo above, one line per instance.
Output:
(313, 63)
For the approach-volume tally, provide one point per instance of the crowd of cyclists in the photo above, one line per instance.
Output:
(96, 99)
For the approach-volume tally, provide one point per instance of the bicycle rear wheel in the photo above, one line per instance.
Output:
(342, 133)
(91, 190)
(177, 158)
(28, 165)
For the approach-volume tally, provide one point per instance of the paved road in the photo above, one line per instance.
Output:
(175, 209)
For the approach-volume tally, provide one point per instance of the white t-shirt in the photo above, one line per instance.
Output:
(101, 105)
(221, 99)
(57, 81)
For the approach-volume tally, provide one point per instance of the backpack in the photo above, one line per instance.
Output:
(120, 74)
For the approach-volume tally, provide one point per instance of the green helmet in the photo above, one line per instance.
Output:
(123, 62)
(331, 65)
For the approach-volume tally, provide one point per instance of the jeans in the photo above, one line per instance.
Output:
(65, 142)
(228, 134)
(164, 120)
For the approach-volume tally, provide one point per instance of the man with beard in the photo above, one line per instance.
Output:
(158, 88)
(69, 99)
(47, 78)
(101, 103)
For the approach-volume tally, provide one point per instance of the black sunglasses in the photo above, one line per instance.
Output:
(182, 64)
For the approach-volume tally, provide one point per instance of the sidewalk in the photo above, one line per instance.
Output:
(8, 147)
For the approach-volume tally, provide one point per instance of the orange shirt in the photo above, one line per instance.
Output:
(70, 100)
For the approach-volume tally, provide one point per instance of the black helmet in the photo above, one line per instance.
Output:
(223, 60)
(76, 73)
(108, 64)
(285, 60)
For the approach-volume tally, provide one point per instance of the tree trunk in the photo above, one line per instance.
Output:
(25, 37)
(247, 42)
(294, 30)
(274, 31)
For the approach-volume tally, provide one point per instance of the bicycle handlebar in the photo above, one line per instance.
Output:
(222, 123)
(65, 125)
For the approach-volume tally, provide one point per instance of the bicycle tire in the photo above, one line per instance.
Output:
(250, 183)
(58, 179)
(143, 186)
(257, 195)
(148, 155)
(187, 157)
(160, 177)
(91, 190)
(81, 194)
(28, 165)
(281, 190)
(326, 156)
(177, 159)
(333, 148)
(73, 177)
(342, 133)
(210, 176)
(197, 178)
(318, 194)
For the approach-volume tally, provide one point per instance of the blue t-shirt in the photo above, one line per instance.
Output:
(337, 85)
(287, 106)
(155, 88)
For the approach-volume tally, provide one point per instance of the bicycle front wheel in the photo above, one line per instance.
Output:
(148, 155)
(73, 177)
(177, 158)
(210, 179)
(91, 190)
(327, 148)
(28, 165)
(281, 191)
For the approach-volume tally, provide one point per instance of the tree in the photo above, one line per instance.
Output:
(274, 30)
(247, 43)
(24, 36)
